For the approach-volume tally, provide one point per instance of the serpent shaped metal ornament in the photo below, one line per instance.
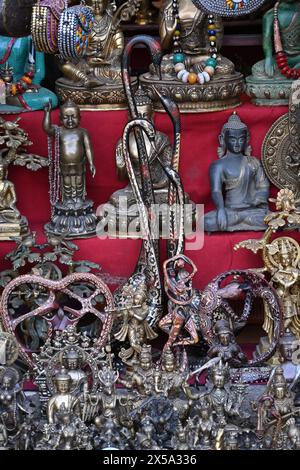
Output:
(149, 256)
(48, 309)
(214, 297)
(148, 262)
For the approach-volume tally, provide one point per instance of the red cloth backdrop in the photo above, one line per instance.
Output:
(199, 149)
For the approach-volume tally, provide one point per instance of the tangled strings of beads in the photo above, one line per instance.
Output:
(179, 57)
(281, 58)
(54, 174)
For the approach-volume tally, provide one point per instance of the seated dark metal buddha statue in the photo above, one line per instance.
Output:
(239, 186)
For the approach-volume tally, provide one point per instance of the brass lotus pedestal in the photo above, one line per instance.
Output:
(109, 96)
(217, 95)
(78, 221)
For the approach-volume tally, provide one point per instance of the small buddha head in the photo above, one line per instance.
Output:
(168, 361)
(224, 332)
(63, 381)
(288, 344)
(146, 357)
(220, 375)
(234, 137)
(70, 115)
(143, 104)
(279, 384)
(99, 6)
(72, 359)
(285, 253)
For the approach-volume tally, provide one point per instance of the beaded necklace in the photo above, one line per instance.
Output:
(54, 172)
(179, 57)
(281, 58)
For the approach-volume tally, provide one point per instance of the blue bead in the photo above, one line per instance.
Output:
(178, 57)
(212, 32)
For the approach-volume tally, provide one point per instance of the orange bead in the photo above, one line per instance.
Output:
(13, 90)
(27, 80)
(192, 78)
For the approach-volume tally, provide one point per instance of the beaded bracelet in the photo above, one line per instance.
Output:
(75, 27)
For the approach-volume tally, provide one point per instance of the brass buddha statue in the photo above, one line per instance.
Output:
(12, 224)
(63, 397)
(72, 214)
(193, 73)
(96, 82)
(271, 79)
(13, 143)
(243, 204)
(121, 209)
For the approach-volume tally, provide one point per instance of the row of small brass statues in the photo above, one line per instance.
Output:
(194, 74)
(84, 400)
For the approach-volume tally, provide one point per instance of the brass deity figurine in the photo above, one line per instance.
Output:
(142, 375)
(135, 327)
(95, 82)
(63, 397)
(193, 73)
(245, 202)
(271, 79)
(225, 346)
(72, 214)
(226, 399)
(276, 412)
(281, 263)
(13, 140)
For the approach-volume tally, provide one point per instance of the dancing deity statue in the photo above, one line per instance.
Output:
(194, 74)
(244, 204)
(96, 80)
(73, 215)
(271, 79)
(23, 70)
(63, 398)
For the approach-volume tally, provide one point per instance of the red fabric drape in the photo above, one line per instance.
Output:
(199, 149)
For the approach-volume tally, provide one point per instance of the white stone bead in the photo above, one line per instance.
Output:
(180, 74)
(201, 78)
(178, 67)
(185, 77)
(210, 70)
(206, 76)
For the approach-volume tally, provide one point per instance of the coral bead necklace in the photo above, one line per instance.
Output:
(281, 57)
